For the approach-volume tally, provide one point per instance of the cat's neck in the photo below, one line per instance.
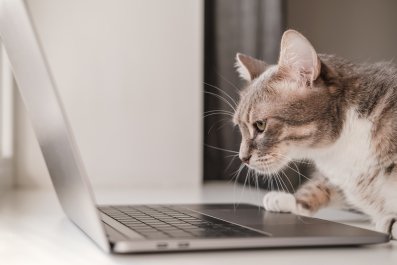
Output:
(350, 155)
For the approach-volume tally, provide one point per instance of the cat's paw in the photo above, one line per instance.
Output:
(387, 225)
(275, 201)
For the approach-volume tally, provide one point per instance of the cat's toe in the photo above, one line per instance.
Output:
(279, 202)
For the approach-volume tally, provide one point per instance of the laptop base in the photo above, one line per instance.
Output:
(257, 229)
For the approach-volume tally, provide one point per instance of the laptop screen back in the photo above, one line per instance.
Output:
(49, 121)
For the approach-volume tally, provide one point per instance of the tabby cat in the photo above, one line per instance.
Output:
(339, 115)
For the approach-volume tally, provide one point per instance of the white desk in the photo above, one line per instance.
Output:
(34, 230)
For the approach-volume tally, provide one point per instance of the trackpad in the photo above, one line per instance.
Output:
(255, 217)
(277, 224)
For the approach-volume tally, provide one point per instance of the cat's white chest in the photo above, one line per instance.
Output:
(350, 156)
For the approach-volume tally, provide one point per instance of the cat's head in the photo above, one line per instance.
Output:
(286, 109)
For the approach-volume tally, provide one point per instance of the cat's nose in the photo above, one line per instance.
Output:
(245, 159)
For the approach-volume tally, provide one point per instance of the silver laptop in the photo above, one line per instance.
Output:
(143, 228)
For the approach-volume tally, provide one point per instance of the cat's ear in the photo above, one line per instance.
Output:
(298, 55)
(248, 67)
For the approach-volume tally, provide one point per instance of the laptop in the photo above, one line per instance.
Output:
(143, 228)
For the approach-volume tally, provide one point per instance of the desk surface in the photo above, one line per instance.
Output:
(34, 230)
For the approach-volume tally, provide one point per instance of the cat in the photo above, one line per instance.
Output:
(339, 115)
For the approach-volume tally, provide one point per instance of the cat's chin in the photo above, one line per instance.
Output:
(268, 168)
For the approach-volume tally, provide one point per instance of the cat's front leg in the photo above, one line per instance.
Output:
(308, 199)
(387, 225)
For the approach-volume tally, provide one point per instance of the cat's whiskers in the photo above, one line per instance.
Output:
(299, 174)
(226, 99)
(235, 176)
(233, 107)
(256, 180)
(227, 113)
(274, 176)
(237, 171)
(290, 183)
(297, 171)
(270, 183)
(249, 177)
(257, 189)
(231, 161)
(229, 82)
(271, 178)
(223, 92)
(218, 111)
(276, 181)
(215, 123)
(221, 149)
(245, 182)
(231, 155)
(278, 187)
(279, 181)
(285, 188)
(289, 160)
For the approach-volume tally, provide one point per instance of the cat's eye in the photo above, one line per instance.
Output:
(260, 126)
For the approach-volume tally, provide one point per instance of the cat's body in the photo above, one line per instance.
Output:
(361, 161)
(341, 116)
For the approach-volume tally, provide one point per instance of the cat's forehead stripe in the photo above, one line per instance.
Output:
(249, 113)
(243, 110)
(265, 76)
(253, 94)
(260, 86)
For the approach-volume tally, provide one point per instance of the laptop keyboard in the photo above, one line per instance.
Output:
(159, 222)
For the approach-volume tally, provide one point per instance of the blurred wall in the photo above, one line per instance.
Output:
(362, 30)
(130, 77)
